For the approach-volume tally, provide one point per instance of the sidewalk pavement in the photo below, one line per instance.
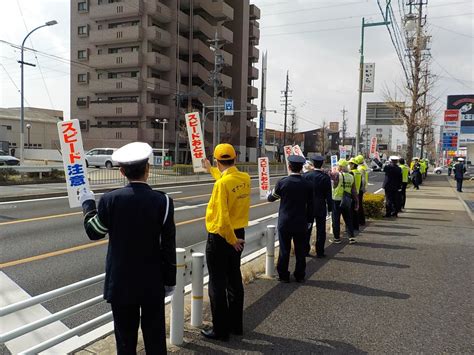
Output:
(404, 287)
(467, 195)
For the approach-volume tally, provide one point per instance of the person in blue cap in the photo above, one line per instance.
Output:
(294, 218)
(140, 268)
(322, 203)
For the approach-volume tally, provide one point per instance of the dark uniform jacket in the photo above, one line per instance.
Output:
(141, 255)
(459, 170)
(322, 192)
(393, 178)
(296, 206)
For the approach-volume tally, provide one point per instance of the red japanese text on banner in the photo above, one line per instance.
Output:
(287, 151)
(74, 161)
(373, 146)
(263, 177)
(297, 151)
(196, 140)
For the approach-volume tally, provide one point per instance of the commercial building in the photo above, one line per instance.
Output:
(274, 142)
(321, 142)
(139, 62)
(465, 105)
(41, 130)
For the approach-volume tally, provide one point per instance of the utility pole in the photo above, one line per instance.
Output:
(344, 125)
(286, 96)
(216, 45)
(177, 121)
(263, 107)
(293, 125)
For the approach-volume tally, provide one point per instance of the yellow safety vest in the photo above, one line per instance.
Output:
(405, 172)
(363, 169)
(358, 179)
(338, 191)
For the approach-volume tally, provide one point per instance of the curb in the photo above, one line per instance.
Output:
(466, 207)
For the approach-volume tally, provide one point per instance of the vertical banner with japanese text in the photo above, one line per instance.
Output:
(263, 177)
(373, 147)
(196, 140)
(287, 151)
(368, 83)
(342, 152)
(297, 150)
(75, 169)
(333, 162)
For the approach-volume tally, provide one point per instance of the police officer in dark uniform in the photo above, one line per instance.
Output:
(141, 256)
(393, 186)
(294, 218)
(322, 203)
(459, 171)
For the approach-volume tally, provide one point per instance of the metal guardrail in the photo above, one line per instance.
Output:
(256, 239)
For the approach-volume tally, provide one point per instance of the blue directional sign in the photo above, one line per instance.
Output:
(229, 107)
(261, 130)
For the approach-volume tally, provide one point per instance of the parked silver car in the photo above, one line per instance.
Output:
(99, 157)
(7, 159)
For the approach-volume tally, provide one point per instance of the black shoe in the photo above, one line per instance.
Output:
(284, 280)
(301, 281)
(239, 332)
(320, 256)
(210, 334)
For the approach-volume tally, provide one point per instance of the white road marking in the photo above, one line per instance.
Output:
(190, 207)
(379, 190)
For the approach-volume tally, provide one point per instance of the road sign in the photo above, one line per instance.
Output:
(229, 107)
(369, 77)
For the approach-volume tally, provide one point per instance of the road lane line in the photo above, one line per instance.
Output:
(95, 244)
(379, 190)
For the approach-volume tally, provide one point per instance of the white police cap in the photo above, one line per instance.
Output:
(394, 158)
(132, 153)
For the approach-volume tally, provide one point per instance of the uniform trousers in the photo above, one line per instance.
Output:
(391, 202)
(360, 212)
(299, 241)
(320, 235)
(403, 195)
(355, 216)
(126, 321)
(459, 184)
(226, 291)
(337, 211)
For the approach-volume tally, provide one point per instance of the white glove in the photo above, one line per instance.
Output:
(169, 290)
(86, 195)
(310, 225)
(269, 192)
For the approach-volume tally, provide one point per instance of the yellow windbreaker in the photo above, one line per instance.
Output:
(228, 208)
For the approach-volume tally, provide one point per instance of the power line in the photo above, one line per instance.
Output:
(447, 72)
(13, 82)
(314, 8)
(449, 30)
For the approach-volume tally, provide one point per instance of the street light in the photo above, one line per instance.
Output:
(28, 127)
(361, 76)
(22, 93)
(163, 122)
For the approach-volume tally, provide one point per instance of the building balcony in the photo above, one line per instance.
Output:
(125, 8)
(157, 110)
(251, 129)
(217, 9)
(253, 111)
(158, 36)
(254, 12)
(115, 85)
(115, 109)
(158, 61)
(116, 60)
(202, 73)
(202, 95)
(253, 73)
(254, 32)
(116, 35)
(252, 92)
(254, 54)
(159, 11)
(201, 25)
(157, 86)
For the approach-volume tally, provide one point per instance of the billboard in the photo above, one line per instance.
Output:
(465, 105)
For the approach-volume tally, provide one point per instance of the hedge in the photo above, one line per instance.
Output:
(374, 205)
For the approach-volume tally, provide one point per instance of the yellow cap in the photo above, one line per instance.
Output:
(342, 162)
(353, 160)
(224, 151)
(359, 159)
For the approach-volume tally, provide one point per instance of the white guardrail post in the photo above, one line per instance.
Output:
(270, 259)
(197, 289)
(177, 303)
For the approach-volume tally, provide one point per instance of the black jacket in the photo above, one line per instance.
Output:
(141, 255)
(393, 177)
(322, 192)
(459, 170)
(296, 206)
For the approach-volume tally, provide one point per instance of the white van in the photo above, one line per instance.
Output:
(99, 157)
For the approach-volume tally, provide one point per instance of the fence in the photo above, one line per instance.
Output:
(191, 271)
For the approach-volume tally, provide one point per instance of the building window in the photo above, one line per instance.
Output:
(82, 31)
(82, 6)
(118, 135)
(9, 128)
(82, 78)
(82, 54)
(81, 102)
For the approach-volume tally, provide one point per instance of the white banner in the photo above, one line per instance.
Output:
(263, 177)
(196, 140)
(342, 152)
(297, 151)
(368, 77)
(373, 146)
(287, 151)
(75, 169)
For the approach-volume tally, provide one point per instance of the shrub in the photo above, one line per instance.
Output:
(6, 174)
(374, 205)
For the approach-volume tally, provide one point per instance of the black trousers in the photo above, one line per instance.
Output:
(459, 184)
(361, 213)
(226, 291)
(299, 241)
(126, 321)
(391, 202)
(403, 195)
(355, 216)
(320, 236)
(337, 211)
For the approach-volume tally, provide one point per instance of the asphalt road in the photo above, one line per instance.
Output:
(44, 245)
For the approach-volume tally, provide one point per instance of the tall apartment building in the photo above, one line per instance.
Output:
(138, 62)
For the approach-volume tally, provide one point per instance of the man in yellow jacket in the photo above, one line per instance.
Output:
(227, 215)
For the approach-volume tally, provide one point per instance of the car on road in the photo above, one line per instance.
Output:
(7, 159)
(444, 170)
(101, 157)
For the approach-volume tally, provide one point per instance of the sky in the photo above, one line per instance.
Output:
(316, 41)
